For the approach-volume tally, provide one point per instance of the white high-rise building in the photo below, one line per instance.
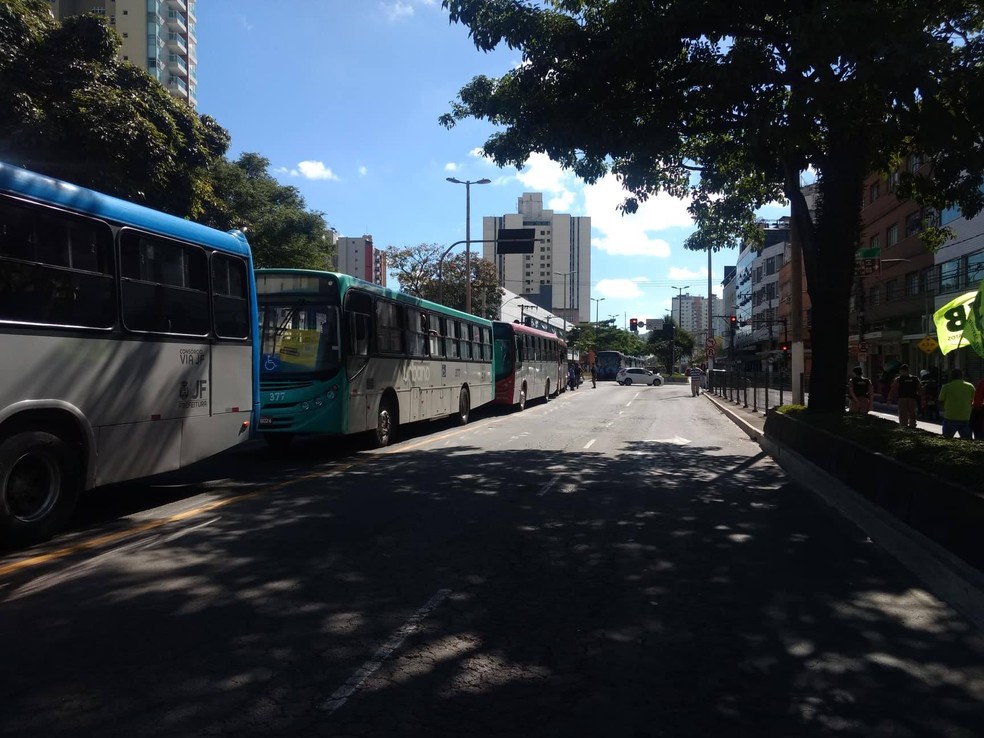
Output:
(158, 36)
(557, 275)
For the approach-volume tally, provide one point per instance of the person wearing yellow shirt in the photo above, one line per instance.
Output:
(956, 397)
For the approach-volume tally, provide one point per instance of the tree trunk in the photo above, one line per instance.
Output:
(829, 246)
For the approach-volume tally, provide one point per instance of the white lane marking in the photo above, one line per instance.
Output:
(548, 487)
(590, 443)
(341, 695)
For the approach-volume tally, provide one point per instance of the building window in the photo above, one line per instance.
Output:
(913, 224)
(975, 268)
(873, 191)
(891, 290)
(874, 296)
(928, 281)
(892, 234)
(950, 276)
(893, 181)
(912, 284)
(874, 242)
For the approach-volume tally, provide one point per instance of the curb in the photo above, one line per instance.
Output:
(948, 577)
(750, 430)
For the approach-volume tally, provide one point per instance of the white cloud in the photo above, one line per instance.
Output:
(313, 170)
(613, 232)
(619, 288)
(676, 274)
(450, 167)
(400, 10)
(397, 11)
(363, 170)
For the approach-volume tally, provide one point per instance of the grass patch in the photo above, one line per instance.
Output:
(955, 459)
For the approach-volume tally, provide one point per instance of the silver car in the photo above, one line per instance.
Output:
(638, 375)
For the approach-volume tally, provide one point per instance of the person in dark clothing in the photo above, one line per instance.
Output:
(859, 390)
(931, 391)
(908, 393)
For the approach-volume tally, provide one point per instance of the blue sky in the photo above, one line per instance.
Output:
(343, 98)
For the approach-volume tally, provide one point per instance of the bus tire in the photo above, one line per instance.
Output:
(522, 398)
(387, 421)
(39, 486)
(464, 407)
(278, 441)
(546, 392)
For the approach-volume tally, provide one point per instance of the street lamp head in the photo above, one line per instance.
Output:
(452, 179)
(483, 180)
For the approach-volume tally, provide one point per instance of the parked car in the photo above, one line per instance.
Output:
(638, 375)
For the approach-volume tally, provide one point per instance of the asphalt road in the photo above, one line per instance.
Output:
(620, 561)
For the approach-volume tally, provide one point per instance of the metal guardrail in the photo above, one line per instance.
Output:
(756, 390)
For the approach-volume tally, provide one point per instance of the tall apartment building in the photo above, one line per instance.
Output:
(358, 258)
(557, 275)
(690, 313)
(158, 36)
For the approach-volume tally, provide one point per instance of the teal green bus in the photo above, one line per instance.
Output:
(339, 355)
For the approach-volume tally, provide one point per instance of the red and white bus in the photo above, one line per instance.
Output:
(527, 363)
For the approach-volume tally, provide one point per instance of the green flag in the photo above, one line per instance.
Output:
(959, 322)
(973, 330)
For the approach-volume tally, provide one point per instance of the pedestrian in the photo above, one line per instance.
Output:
(571, 376)
(977, 411)
(594, 376)
(956, 397)
(908, 393)
(695, 376)
(859, 390)
(931, 391)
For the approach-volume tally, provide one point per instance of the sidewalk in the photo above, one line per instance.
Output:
(755, 420)
(948, 577)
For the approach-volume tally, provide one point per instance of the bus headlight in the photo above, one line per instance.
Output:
(319, 401)
(305, 405)
(330, 395)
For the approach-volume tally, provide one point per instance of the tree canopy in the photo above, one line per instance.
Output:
(421, 273)
(728, 103)
(73, 110)
(280, 230)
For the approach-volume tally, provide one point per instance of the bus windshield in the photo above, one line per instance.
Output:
(299, 338)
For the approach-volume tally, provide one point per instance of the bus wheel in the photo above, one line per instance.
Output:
(546, 392)
(386, 422)
(464, 407)
(39, 485)
(522, 397)
(278, 441)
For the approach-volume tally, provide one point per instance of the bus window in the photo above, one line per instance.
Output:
(230, 302)
(165, 285)
(388, 334)
(416, 332)
(359, 333)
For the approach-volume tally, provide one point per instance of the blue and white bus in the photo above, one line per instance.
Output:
(128, 346)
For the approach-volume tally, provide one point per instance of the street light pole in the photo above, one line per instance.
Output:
(468, 280)
(680, 313)
(597, 301)
(565, 275)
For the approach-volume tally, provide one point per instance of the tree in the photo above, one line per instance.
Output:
(71, 109)
(728, 103)
(281, 232)
(682, 343)
(421, 273)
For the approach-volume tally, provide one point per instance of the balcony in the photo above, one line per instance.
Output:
(177, 66)
(177, 86)
(179, 5)
(176, 22)
(176, 44)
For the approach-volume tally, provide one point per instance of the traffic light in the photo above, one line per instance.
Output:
(733, 320)
(634, 325)
(785, 348)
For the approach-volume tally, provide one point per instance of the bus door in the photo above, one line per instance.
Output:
(362, 396)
